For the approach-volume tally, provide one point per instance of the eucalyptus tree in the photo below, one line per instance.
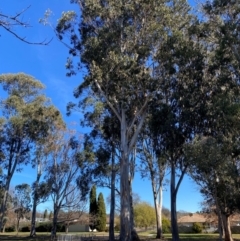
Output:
(179, 113)
(117, 43)
(40, 189)
(22, 203)
(63, 170)
(215, 168)
(223, 19)
(26, 119)
(153, 165)
(103, 143)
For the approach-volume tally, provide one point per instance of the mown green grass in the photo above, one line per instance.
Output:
(143, 236)
(192, 237)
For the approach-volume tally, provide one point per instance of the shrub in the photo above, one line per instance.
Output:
(25, 229)
(10, 229)
(166, 225)
(44, 227)
(185, 229)
(60, 227)
(197, 227)
(47, 227)
(117, 227)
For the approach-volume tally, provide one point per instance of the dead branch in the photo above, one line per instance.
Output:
(8, 22)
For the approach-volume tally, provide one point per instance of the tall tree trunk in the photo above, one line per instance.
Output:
(131, 207)
(220, 227)
(4, 204)
(125, 224)
(227, 228)
(3, 209)
(33, 222)
(3, 228)
(220, 222)
(158, 210)
(125, 229)
(12, 164)
(66, 227)
(34, 209)
(174, 225)
(131, 177)
(18, 220)
(112, 205)
(54, 223)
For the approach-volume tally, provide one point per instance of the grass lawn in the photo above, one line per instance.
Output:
(144, 236)
(193, 237)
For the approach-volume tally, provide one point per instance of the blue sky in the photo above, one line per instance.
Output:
(47, 64)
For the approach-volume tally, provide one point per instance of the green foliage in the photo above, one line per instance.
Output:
(197, 227)
(10, 229)
(47, 227)
(25, 229)
(101, 214)
(166, 225)
(144, 215)
(185, 72)
(117, 226)
(44, 227)
(27, 118)
(93, 207)
(215, 170)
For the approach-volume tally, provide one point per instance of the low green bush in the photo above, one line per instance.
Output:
(10, 229)
(166, 225)
(44, 227)
(25, 229)
(197, 227)
(117, 227)
(47, 227)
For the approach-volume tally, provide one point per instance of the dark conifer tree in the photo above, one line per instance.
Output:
(101, 213)
(93, 208)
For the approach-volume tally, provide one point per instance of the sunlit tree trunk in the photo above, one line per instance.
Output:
(175, 234)
(66, 227)
(54, 223)
(227, 228)
(4, 205)
(220, 226)
(125, 223)
(112, 205)
(158, 210)
(34, 208)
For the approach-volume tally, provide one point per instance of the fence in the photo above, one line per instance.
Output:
(87, 237)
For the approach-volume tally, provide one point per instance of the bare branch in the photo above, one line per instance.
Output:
(7, 22)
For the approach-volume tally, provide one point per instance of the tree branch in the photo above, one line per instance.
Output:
(9, 21)
(107, 100)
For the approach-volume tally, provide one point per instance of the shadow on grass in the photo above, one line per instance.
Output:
(191, 237)
(24, 237)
